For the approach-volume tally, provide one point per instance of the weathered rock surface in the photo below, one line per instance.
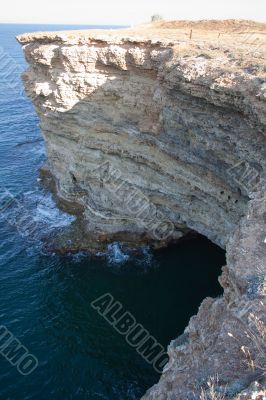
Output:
(149, 134)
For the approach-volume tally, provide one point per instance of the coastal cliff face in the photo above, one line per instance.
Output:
(149, 135)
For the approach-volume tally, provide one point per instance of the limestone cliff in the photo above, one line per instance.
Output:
(155, 131)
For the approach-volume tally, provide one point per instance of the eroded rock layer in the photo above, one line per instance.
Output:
(149, 134)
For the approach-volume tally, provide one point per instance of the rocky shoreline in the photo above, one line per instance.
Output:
(151, 135)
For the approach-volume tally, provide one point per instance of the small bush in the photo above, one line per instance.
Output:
(156, 17)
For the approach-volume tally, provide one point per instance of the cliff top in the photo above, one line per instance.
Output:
(240, 32)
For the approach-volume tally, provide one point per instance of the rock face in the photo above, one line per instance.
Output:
(149, 134)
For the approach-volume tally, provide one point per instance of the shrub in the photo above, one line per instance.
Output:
(156, 17)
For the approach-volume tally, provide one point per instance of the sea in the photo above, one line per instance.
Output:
(45, 298)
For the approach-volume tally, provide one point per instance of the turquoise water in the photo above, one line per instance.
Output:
(45, 299)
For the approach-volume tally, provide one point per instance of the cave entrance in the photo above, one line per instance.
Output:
(162, 292)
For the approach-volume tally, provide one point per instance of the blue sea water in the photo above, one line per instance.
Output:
(45, 298)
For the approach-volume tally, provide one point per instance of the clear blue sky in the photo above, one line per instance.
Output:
(127, 12)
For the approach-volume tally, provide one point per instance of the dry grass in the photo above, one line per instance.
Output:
(257, 335)
(233, 25)
(212, 392)
(249, 35)
(254, 353)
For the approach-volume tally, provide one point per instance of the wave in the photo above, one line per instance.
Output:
(34, 216)
(47, 213)
(115, 254)
(30, 216)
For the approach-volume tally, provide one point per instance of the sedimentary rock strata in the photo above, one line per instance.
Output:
(149, 134)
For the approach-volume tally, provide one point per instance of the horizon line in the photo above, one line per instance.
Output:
(59, 23)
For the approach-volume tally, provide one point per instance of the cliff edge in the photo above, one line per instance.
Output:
(155, 131)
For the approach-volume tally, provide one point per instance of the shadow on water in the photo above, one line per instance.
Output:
(47, 306)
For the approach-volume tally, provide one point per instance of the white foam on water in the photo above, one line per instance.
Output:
(115, 254)
(34, 214)
(48, 214)
(78, 257)
(118, 257)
